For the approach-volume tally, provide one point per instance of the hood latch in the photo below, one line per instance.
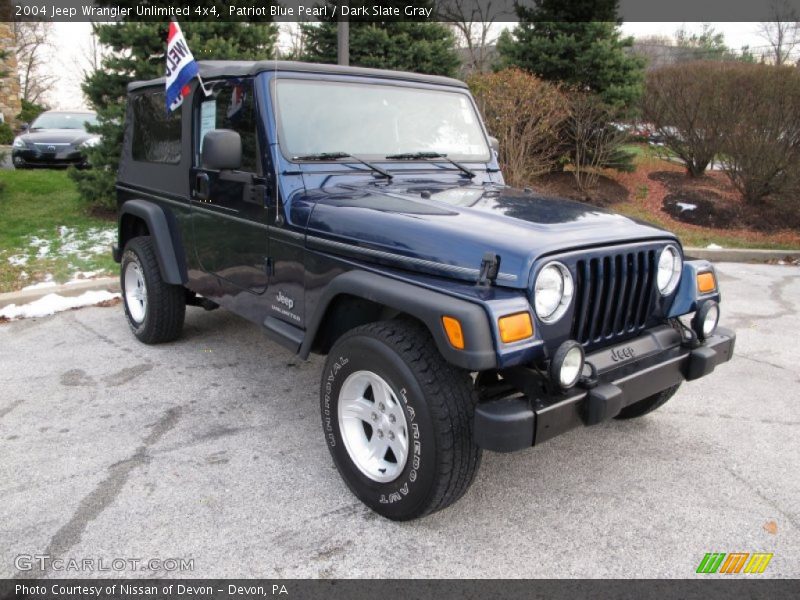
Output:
(490, 266)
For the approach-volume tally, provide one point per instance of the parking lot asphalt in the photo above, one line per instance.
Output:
(211, 449)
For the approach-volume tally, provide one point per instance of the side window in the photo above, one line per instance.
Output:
(156, 135)
(231, 106)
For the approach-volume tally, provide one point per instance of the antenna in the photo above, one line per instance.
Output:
(278, 210)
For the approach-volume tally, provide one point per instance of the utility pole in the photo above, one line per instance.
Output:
(343, 37)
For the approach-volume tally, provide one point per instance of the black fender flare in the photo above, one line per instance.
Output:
(164, 231)
(427, 305)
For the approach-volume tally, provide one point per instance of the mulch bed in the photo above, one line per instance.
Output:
(607, 192)
(707, 205)
(719, 205)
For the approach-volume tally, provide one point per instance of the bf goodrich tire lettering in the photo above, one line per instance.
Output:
(155, 310)
(438, 404)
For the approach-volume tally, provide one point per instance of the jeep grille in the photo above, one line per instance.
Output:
(613, 295)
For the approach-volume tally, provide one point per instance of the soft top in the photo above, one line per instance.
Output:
(244, 68)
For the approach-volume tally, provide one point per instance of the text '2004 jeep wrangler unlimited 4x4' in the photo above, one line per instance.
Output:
(361, 214)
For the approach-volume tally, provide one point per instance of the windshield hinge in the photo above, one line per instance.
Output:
(490, 266)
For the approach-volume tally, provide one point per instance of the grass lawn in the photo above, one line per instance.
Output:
(47, 234)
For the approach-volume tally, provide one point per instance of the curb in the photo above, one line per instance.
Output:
(21, 297)
(741, 255)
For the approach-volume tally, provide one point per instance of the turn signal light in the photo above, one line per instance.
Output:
(452, 327)
(515, 327)
(706, 282)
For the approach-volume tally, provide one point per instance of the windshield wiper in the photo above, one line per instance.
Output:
(340, 155)
(432, 156)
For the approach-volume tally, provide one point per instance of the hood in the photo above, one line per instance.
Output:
(446, 230)
(57, 136)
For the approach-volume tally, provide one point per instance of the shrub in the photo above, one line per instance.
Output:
(30, 110)
(526, 115)
(761, 149)
(686, 105)
(746, 115)
(6, 134)
(595, 142)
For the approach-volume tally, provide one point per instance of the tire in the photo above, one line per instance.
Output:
(648, 405)
(433, 403)
(156, 314)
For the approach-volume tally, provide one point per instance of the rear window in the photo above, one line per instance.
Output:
(156, 134)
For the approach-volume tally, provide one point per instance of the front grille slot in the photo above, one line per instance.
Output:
(613, 295)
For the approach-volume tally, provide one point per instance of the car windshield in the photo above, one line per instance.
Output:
(374, 121)
(53, 120)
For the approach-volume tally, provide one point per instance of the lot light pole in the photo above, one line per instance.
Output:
(343, 37)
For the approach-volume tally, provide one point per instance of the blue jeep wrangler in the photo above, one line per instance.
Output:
(361, 214)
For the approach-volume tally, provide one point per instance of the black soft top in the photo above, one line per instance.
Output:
(243, 68)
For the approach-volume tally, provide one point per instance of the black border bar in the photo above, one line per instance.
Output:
(498, 11)
(702, 588)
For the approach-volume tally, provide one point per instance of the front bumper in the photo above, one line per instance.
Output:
(61, 157)
(661, 360)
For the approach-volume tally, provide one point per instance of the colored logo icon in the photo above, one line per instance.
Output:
(735, 562)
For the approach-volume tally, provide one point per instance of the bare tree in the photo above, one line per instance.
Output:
(297, 41)
(782, 34)
(526, 114)
(473, 23)
(596, 142)
(32, 40)
(91, 54)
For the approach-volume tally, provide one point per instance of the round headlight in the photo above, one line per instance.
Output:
(670, 267)
(567, 364)
(552, 292)
(19, 143)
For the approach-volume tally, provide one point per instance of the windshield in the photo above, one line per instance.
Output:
(51, 120)
(372, 121)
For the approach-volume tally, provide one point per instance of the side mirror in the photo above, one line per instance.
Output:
(25, 126)
(494, 143)
(222, 150)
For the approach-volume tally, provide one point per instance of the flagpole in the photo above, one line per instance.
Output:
(200, 79)
(202, 85)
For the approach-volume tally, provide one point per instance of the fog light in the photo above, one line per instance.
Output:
(706, 319)
(567, 364)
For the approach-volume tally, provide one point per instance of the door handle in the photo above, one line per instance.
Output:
(202, 186)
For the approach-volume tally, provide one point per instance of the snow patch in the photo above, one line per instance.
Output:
(81, 276)
(713, 247)
(18, 260)
(46, 283)
(684, 206)
(53, 303)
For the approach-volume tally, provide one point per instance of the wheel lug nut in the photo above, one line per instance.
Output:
(391, 435)
(382, 407)
(392, 418)
(374, 416)
(380, 433)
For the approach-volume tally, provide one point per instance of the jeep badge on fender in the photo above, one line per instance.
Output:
(362, 215)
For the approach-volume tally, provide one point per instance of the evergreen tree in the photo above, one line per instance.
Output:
(6, 133)
(577, 43)
(418, 46)
(136, 51)
(30, 110)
